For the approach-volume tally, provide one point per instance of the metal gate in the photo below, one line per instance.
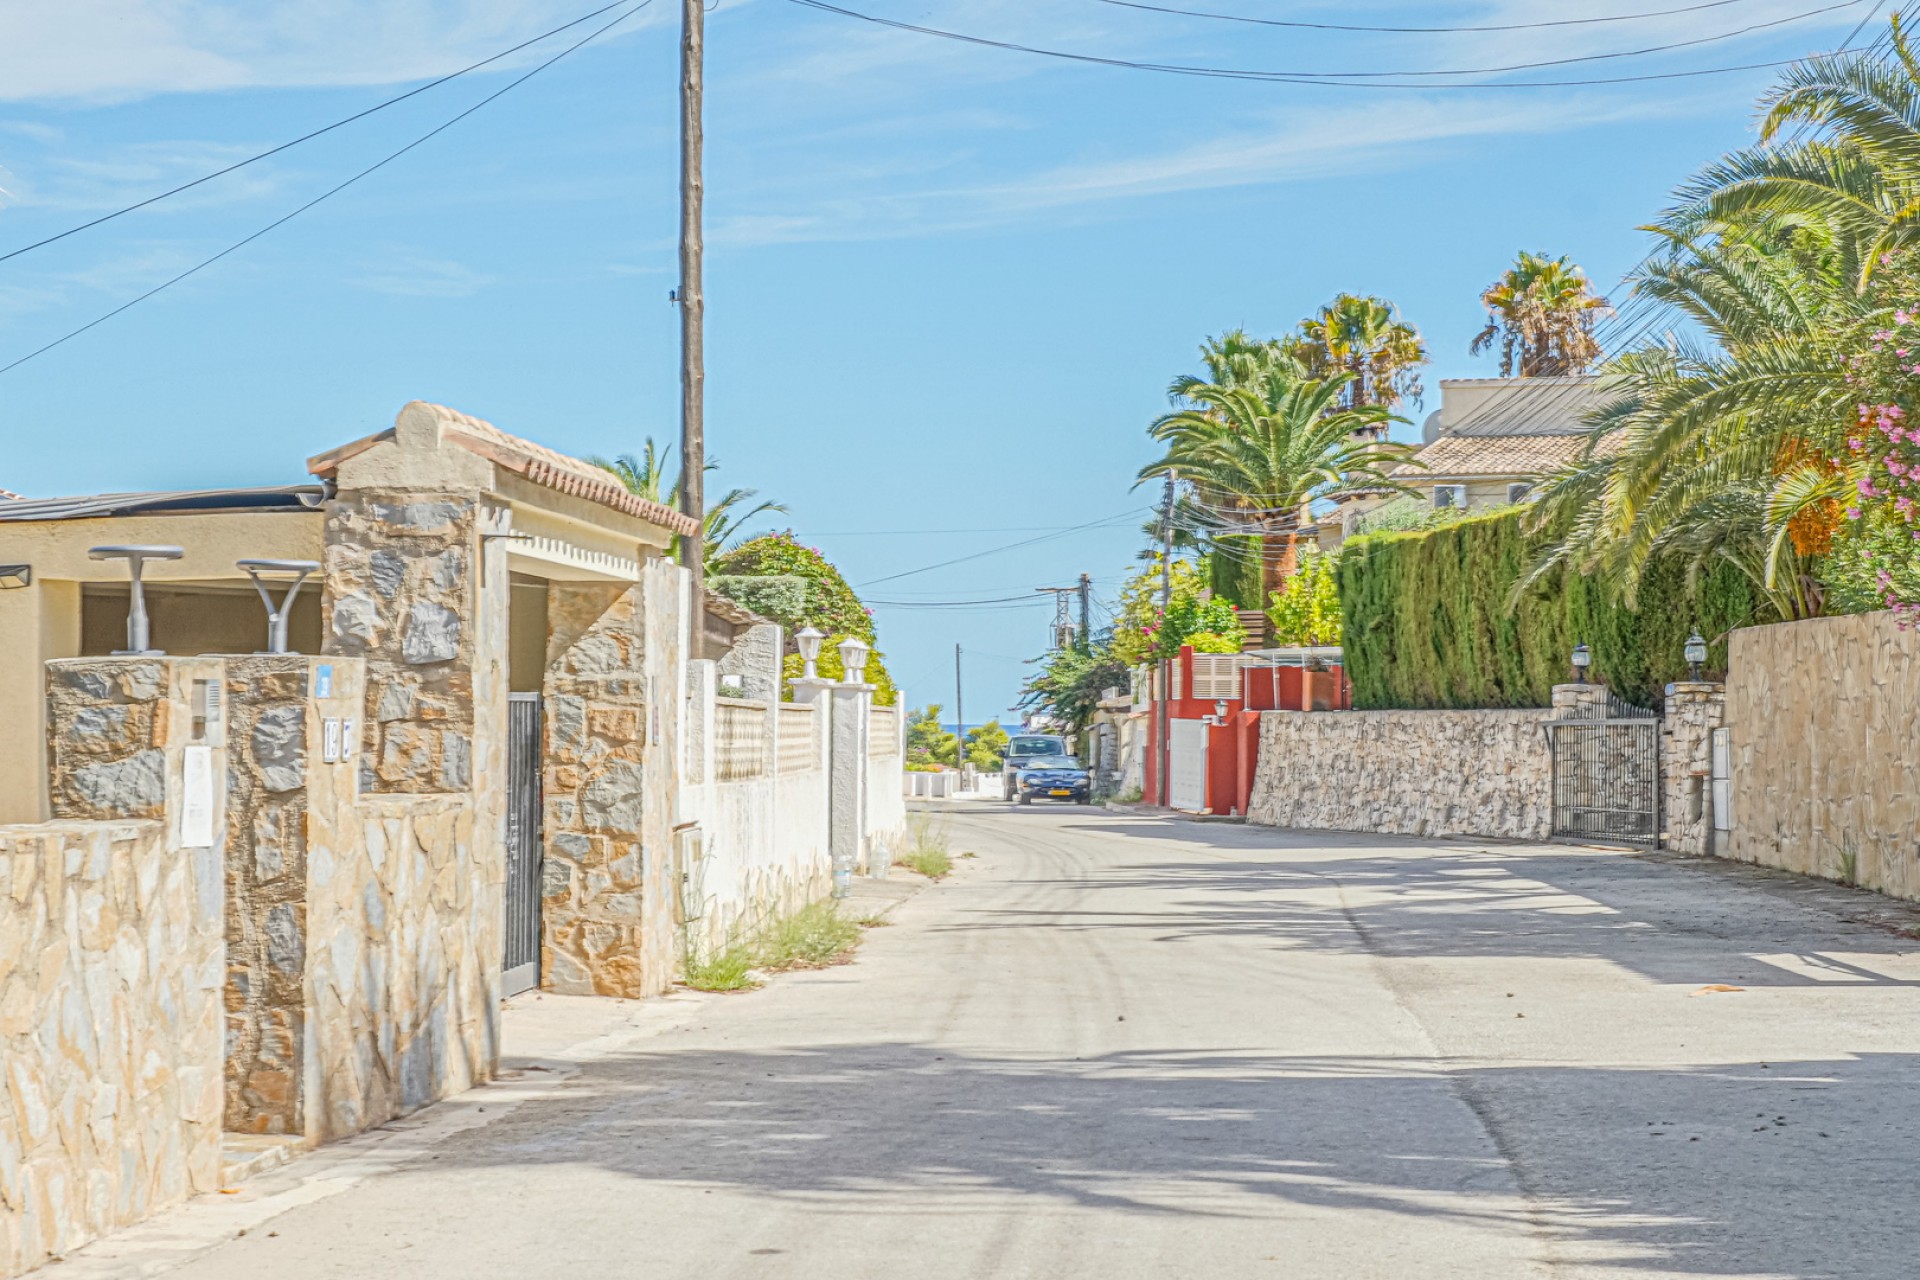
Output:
(521, 964)
(1606, 773)
(1187, 765)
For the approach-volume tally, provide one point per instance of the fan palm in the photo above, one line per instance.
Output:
(645, 476)
(1261, 453)
(1541, 312)
(1364, 338)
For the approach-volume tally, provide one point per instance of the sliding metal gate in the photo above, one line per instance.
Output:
(521, 964)
(1606, 773)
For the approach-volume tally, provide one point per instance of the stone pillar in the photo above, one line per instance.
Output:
(1693, 712)
(754, 661)
(1579, 701)
(595, 909)
(847, 782)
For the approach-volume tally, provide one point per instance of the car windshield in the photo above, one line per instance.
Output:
(1053, 762)
(1028, 748)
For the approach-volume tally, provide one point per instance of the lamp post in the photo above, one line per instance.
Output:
(1582, 659)
(136, 558)
(808, 639)
(1696, 654)
(853, 659)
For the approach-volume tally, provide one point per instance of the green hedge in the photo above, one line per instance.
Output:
(1427, 623)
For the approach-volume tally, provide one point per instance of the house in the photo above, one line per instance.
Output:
(1492, 439)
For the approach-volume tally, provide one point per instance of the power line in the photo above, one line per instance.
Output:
(1561, 62)
(1284, 77)
(327, 194)
(307, 137)
(1011, 546)
(1503, 26)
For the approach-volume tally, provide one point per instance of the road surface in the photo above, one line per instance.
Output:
(1114, 1047)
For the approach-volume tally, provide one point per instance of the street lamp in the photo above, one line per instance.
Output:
(853, 658)
(136, 558)
(809, 641)
(1582, 659)
(1696, 654)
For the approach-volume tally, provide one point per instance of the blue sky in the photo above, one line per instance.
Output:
(947, 285)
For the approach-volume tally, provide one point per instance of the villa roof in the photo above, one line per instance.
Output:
(538, 464)
(1492, 457)
(294, 497)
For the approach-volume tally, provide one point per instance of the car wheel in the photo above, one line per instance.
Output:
(1026, 797)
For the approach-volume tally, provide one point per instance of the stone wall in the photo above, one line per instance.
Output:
(615, 701)
(401, 593)
(266, 872)
(1824, 722)
(1693, 712)
(109, 1031)
(364, 932)
(111, 962)
(1420, 773)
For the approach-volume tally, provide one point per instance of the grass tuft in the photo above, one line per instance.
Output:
(811, 938)
(929, 851)
(729, 970)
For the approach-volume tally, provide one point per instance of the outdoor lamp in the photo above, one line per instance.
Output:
(853, 658)
(1582, 659)
(277, 613)
(1220, 711)
(809, 641)
(136, 558)
(1696, 654)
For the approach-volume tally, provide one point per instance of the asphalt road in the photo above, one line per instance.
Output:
(1116, 1047)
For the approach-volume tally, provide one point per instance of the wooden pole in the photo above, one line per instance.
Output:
(693, 310)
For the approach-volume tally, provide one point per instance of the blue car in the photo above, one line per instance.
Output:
(1053, 778)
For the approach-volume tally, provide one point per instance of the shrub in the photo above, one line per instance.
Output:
(781, 598)
(830, 603)
(1427, 622)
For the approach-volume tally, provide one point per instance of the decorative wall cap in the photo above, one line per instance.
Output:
(548, 468)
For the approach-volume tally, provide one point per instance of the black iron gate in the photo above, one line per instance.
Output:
(521, 964)
(1606, 772)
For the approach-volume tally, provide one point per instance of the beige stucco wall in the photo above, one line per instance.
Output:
(42, 621)
(1824, 722)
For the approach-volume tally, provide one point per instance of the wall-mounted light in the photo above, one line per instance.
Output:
(137, 640)
(15, 575)
(1582, 659)
(1696, 654)
(1220, 711)
(853, 659)
(808, 639)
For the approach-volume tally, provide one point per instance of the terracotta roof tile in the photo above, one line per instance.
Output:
(1457, 457)
(546, 467)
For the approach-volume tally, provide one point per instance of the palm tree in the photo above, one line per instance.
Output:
(1260, 454)
(1231, 360)
(1541, 312)
(645, 476)
(1364, 338)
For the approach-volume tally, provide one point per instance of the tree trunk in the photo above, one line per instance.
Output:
(1279, 558)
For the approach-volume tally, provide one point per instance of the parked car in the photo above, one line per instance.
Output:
(1054, 778)
(1023, 748)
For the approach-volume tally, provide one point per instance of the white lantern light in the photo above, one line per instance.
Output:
(853, 659)
(1696, 654)
(1582, 659)
(808, 639)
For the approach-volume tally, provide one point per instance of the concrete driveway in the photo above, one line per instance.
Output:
(1116, 1047)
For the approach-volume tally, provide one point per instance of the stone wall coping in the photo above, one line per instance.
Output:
(1387, 713)
(64, 826)
(756, 704)
(1696, 686)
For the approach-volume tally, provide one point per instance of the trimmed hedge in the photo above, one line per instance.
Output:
(1427, 624)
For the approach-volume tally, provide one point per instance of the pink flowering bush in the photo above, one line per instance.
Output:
(1875, 563)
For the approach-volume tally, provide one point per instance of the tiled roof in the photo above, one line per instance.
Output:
(546, 467)
(1464, 457)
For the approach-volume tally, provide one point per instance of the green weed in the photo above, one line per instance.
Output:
(811, 938)
(729, 970)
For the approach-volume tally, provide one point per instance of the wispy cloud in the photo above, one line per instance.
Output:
(415, 276)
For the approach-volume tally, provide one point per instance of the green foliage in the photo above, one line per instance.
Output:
(986, 745)
(1215, 642)
(1070, 685)
(1427, 622)
(1307, 610)
(929, 850)
(782, 598)
(1210, 626)
(831, 604)
(927, 742)
(811, 938)
(1233, 570)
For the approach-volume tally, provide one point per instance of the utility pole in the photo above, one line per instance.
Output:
(1160, 708)
(959, 715)
(693, 307)
(1086, 614)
